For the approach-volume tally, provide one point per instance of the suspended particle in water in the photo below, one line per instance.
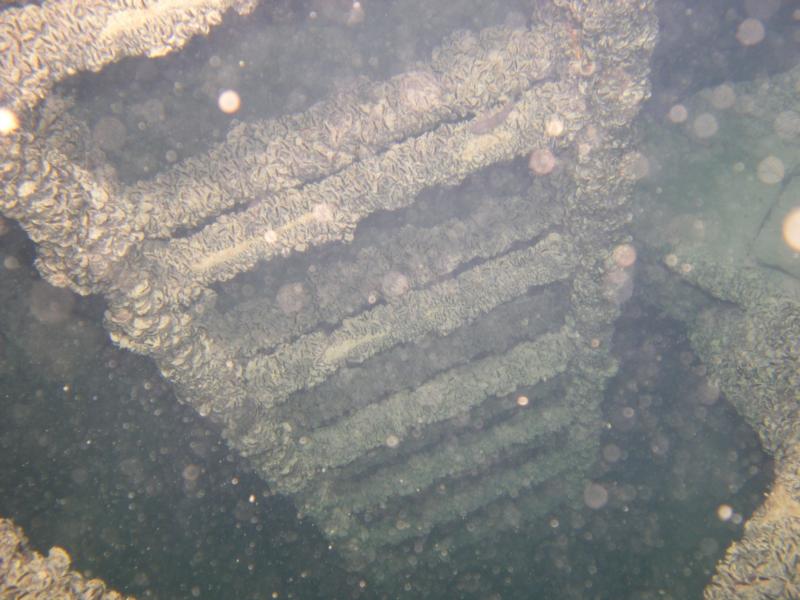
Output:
(750, 32)
(708, 393)
(723, 96)
(618, 285)
(659, 445)
(678, 113)
(762, 9)
(724, 512)
(611, 453)
(635, 166)
(595, 496)
(394, 284)
(323, 212)
(705, 126)
(554, 127)
(229, 102)
(624, 256)
(787, 124)
(356, 14)
(770, 170)
(292, 298)
(791, 229)
(109, 134)
(8, 121)
(191, 472)
(542, 161)
(50, 304)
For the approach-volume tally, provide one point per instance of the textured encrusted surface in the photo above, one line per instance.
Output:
(753, 354)
(159, 251)
(764, 563)
(743, 321)
(41, 45)
(27, 574)
(466, 74)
